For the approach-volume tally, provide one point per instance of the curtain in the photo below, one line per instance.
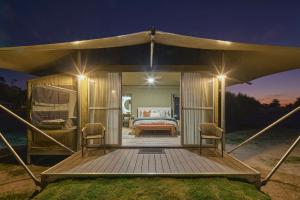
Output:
(104, 103)
(197, 104)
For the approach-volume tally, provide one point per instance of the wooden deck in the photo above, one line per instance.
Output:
(172, 162)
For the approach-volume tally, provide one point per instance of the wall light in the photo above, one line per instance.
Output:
(81, 77)
(150, 80)
(221, 77)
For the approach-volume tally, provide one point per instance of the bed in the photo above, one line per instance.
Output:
(154, 119)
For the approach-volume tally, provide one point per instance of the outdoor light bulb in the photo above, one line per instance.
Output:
(76, 42)
(221, 76)
(150, 80)
(224, 42)
(81, 77)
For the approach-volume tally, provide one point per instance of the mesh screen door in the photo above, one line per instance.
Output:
(197, 104)
(104, 103)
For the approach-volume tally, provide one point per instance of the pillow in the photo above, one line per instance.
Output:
(154, 114)
(52, 124)
(68, 124)
(53, 121)
(146, 114)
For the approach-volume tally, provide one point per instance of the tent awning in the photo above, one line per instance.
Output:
(240, 61)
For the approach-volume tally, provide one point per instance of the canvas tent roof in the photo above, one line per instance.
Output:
(241, 62)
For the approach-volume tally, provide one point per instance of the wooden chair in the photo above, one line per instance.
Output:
(92, 131)
(212, 132)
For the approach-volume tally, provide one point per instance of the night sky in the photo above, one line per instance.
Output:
(264, 22)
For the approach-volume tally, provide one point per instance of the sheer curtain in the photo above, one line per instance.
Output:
(104, 103)
(197, 104)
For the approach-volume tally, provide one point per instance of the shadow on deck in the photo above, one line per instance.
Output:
(171, 162)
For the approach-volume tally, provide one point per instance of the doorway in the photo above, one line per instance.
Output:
(151, 109)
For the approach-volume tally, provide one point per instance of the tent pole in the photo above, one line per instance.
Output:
(78, 114)
(151, 51)
(223, 120)
(152, 34)
(79, 64)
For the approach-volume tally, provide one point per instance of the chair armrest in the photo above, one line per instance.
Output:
(219, 131)
(83, 132)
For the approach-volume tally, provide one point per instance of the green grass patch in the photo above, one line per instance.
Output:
(151, 189)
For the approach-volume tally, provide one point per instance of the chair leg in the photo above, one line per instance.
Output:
(82, 146)
(200, 149)
(103, 141)
(222, 146)
(214, 144)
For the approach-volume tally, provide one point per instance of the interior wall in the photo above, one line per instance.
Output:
(145, 96)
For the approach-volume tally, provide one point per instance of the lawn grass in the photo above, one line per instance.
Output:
(151, 189)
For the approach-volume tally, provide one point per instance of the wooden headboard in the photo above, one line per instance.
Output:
(164, 112)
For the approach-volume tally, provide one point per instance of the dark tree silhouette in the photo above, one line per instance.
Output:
(275, 104)
(14, 98)
(297, 102)
(244, 112)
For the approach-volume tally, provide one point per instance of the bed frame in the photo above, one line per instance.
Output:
(154, 127)
(163, 112)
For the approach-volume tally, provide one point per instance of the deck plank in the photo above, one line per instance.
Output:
(173, 168)
(145, 165)
(128, 158)
(118, 165)
(165, 164)
(177, 163)
(187, 168)
(132, 163)
(103, 162)
(187, 157)
(174, 162)
(113, 163)
(152, 168)
(77, 163)
(201, 165)
(158, 164)
(60, 167)
(139, 163)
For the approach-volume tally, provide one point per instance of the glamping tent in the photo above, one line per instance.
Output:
(80, 81)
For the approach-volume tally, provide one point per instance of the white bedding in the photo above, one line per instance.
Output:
(155, 121)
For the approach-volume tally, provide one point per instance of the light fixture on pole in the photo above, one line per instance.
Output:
(81, 77)
(150, 80)
(221, 77)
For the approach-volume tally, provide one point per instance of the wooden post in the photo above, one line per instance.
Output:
(78, 146)
(223, 120)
